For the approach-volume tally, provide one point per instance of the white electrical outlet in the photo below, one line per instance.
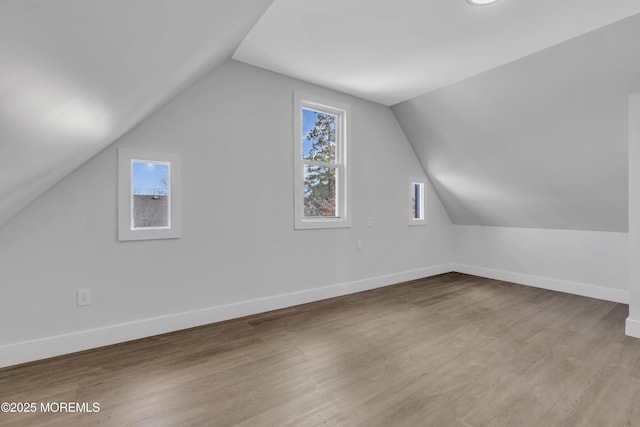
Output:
(84, 297)
(370, 221)
(360, 244)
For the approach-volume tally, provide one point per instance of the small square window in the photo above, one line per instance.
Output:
(148, 195)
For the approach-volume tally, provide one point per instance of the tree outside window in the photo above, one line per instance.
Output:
(321, 163)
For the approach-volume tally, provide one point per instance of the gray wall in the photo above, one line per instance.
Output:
(239, 250)
(530, 160)
(633, 322)
(589, 263)
(540, 142)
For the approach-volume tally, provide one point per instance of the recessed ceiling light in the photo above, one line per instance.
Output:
(480, 2)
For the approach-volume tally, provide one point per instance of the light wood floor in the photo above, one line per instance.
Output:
(451, 350)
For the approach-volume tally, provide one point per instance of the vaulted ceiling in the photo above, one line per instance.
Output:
(75, 75)
(494, 99)
(390, 51)
(540, 142)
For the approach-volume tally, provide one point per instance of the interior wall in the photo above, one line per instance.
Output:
(239, 252)
(633, 322)
(589, 263)
(540, 142)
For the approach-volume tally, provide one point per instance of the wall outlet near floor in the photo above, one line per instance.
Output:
(370, 222)
(84, 297)
(360, 244)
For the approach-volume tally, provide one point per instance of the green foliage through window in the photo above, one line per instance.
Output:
(319, 191)
(321, 170)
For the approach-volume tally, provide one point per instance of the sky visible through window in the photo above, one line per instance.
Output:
(309, 119)
(150, 178)
(319, 146)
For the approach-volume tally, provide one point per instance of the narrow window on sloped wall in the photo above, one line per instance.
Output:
(417, 203)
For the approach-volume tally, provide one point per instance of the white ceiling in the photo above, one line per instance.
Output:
(75, 75)
(390, 51)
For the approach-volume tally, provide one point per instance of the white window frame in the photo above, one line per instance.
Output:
(423, 203)
(126, 230)
(343, 178)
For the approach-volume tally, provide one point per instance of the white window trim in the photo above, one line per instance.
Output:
(423, 195)
(343, 188)
(125, 228)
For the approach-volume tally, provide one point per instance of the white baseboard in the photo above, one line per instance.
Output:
(41, 348)
(576, 288)
(632, 327)
(28, 351)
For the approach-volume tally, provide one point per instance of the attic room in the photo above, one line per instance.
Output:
(465, 254)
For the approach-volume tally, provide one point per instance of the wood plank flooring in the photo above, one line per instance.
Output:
(451, 350)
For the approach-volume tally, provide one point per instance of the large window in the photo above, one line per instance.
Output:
(321, 163)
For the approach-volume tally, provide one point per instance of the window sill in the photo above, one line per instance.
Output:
(312, 224)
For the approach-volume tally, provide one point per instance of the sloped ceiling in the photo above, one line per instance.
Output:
(390, 51)
(537, 142)
(540, 142)
(75, 75)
